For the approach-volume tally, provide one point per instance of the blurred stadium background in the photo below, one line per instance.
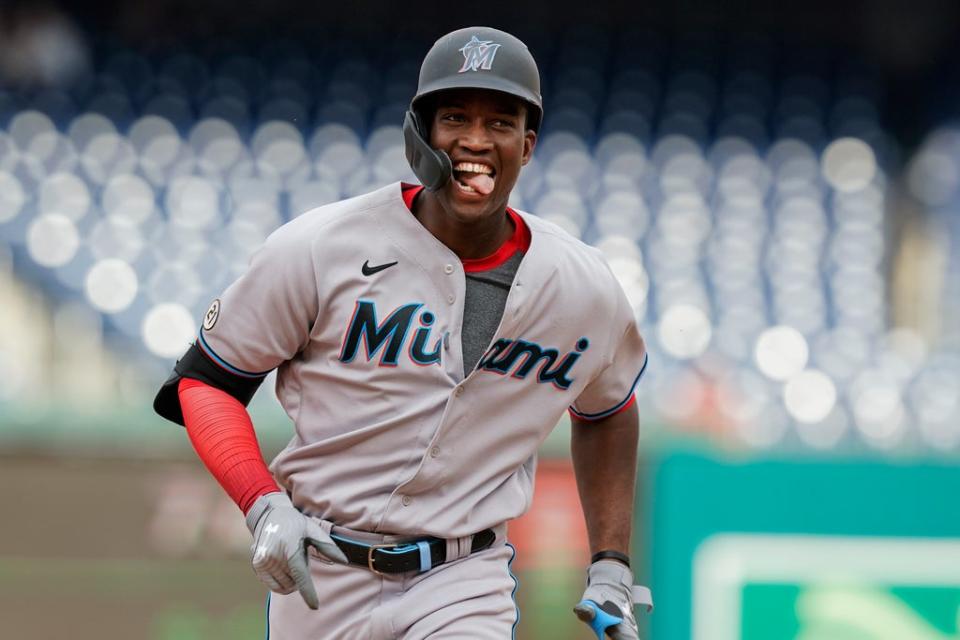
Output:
(777, 187)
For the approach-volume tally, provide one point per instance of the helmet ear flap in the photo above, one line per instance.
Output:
(418, 123)
(431, 166)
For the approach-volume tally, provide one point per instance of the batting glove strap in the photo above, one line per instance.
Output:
(643, 596)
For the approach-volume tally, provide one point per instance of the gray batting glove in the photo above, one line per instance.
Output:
(607, 604)
(281, 535)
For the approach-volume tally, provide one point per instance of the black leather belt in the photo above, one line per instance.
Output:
(420, 556)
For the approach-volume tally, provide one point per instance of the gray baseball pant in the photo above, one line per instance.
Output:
(469, 597)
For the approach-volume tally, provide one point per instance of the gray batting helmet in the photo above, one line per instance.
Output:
(471, 58)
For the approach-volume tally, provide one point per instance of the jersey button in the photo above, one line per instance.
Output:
(458, 392)
(406, 500)
(448, 269)
(434, 452)
(451, 298)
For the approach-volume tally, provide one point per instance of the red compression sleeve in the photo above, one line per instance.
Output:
(222, 433)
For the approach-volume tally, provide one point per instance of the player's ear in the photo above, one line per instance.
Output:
(529, 142)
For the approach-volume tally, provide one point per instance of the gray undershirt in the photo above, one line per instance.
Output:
(483, 307)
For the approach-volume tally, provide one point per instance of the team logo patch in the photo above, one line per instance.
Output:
(478, 54)
(210, 318)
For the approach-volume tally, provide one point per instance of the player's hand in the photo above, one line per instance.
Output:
(281, 535)
(607, 604)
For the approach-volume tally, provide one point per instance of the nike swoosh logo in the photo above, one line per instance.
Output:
(369, 271)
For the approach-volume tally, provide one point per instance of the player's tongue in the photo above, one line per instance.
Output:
(481, 182)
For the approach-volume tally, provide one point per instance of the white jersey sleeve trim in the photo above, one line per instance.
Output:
(623, 404)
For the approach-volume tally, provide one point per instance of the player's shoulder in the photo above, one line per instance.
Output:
(567, 248)
(586, 275)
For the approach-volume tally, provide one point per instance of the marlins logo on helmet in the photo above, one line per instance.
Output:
(478, 54)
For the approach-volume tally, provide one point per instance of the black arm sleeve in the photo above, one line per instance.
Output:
(197, 365)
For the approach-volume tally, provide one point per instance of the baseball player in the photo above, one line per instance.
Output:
(426, 338)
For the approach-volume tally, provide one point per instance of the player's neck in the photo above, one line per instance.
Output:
(470, 241)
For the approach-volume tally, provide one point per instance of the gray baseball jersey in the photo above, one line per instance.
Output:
(360, 309)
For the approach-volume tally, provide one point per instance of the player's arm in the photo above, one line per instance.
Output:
(604, 450)
(605, 463)
(222, 434)
(210, 401)
(261, 321)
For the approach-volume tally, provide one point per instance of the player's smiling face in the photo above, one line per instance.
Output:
(485, 134)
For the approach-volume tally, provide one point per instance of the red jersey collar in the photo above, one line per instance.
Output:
(518, 242)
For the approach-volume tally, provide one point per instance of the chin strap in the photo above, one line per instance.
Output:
(432, 167)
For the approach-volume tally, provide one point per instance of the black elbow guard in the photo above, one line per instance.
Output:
(197, 365)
